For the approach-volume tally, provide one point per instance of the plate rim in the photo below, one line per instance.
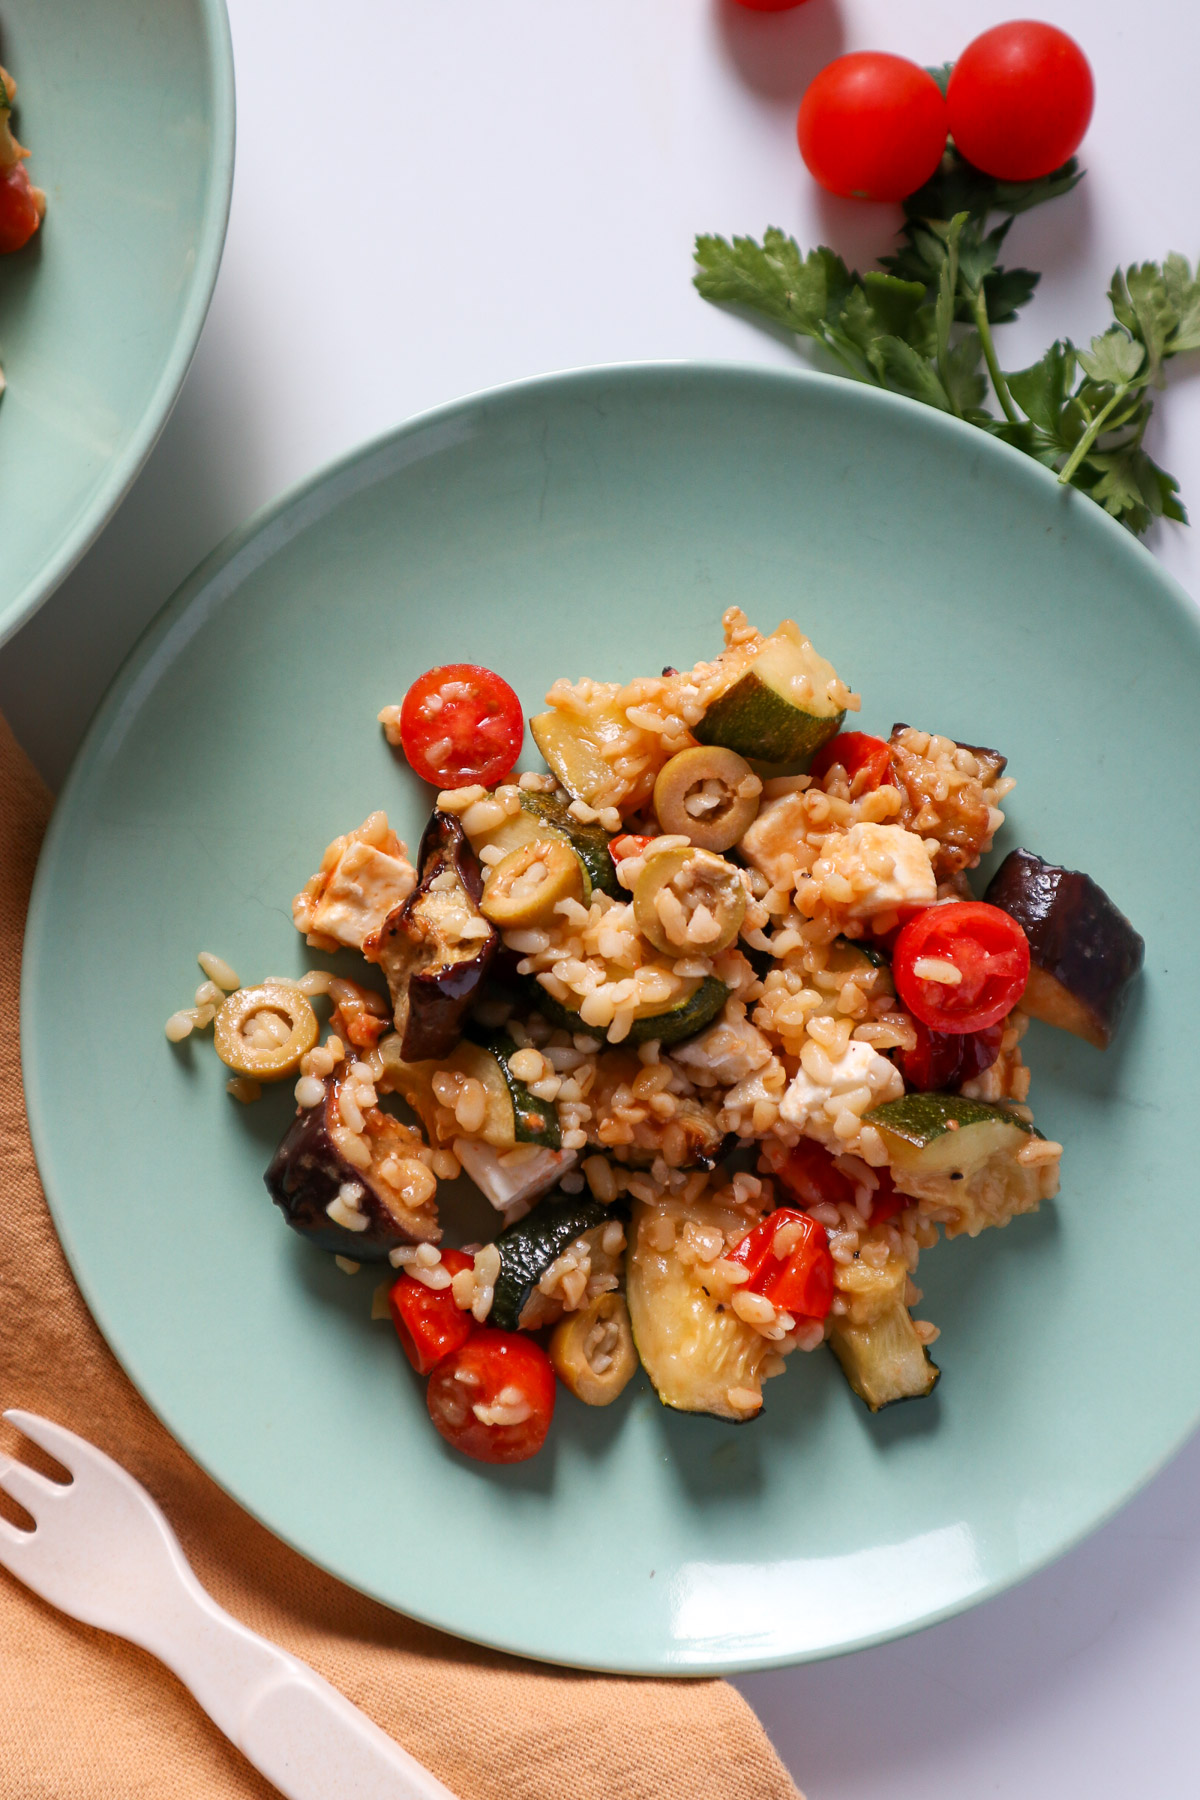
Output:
(129, 463)
(142, 657)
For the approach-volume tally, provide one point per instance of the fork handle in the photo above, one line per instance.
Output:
(309, 1740)
(296, 1729)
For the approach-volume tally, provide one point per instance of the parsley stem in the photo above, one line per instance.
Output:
(1088, 440)
(983, 326)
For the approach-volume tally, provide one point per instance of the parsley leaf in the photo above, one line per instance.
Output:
(921, 325)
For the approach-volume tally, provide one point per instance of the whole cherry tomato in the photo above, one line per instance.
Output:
(1019, 100)
(493, 1399)
(461, 724)
(962, 966)
(872, 126)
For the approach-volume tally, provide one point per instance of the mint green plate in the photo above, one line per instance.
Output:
(599, 523)
(127, 108)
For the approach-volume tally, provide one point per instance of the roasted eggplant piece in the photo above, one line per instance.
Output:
(1085, 954)
(437, 947)
(344, 1209)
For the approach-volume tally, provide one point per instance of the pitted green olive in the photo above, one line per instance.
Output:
(592, 1350)
(526, 885)
(710, 794)
(264, 1031)
(689, 901)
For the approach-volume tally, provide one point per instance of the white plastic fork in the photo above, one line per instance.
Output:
(103, 1552)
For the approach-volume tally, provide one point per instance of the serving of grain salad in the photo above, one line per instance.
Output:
(706, 1007)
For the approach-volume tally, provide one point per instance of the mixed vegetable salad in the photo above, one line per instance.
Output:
(22, 206)
(707, 1010)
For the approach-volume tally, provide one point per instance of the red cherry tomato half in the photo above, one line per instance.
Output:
(19, 215)
(428, 1322)
(872, 126)
(461, 724)
(988, 949)
(787, 1255)
(1019, 100)
(941, 1059)
(867, 760)
(495, 1372)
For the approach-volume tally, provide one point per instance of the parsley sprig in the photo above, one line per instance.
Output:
(921, 325)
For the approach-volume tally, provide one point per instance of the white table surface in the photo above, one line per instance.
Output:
(433, 196)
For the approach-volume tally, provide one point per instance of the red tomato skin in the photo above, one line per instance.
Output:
(810, 1177)
(428, 1322)
(499, 1359)
(986, 944)
(628, 844)
(485, 727)
(1020, 99)
(943, 1059)
(804, 1285)
(769, 5)
(861, 755)
(19, 215)
(800, 1282)
(872, 126)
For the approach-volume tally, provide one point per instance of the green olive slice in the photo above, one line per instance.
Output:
(264, 1031)
(710, 794)
(592, 1350)
(525, 886)
(689, 901)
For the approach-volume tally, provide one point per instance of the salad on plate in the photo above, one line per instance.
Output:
(708, 1009)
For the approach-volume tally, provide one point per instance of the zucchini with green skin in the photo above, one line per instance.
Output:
(513, 1115)
(884, 1361)
(777, 707)
(572, 749)
(528, 1248)
(683, 1019)
(543, 813)
(933, 1134)
(980, 1165)
(700, 1356)
(589, 842)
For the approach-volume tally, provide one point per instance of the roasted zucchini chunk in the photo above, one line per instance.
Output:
(700, 1356)
(528, 1248)
(884, 1361)
(697, 1007)
(980, 1164)
(437, 947)
(541, 813)
(1085, 954)
(592, 1350)
(777, 706)
(340, 1207)
(511, 1116)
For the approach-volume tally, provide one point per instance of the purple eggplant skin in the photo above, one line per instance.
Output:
(1085, 955)
(434, 979)
(308, 1171)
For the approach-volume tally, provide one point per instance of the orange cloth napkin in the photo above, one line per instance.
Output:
(85, 1716)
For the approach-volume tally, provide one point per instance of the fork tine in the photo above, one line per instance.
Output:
(11, 1534)
(25, 1485)
(56, 1440)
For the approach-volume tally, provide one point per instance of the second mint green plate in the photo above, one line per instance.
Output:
(127, 109)
(599, 523)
